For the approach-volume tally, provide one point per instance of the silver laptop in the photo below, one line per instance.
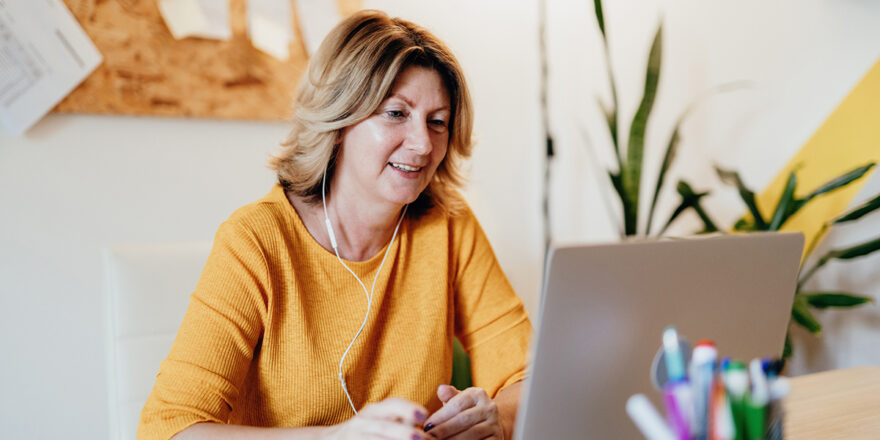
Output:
(604, 308)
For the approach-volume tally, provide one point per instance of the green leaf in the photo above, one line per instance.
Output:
(821, 300)
(804, 317)
(785, 201)
(708, 224)
(687, 201)
(787, 351)
(685, 204)
(833, 184)
(461, 367)
(630, 212)
(690, 199)
(632, 175)
(849, 253)
(617, 183)
(840, 181)
(600, 17)
(668, 157)
(859, 211)
(815, 240)
(747, 195)
(858, 250)
(686, 192)
(743, 225)
(672, 145)
(611, 122)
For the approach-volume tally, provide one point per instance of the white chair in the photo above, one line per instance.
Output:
(148, 289)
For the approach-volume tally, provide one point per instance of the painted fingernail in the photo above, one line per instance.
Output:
(416, 437)
(429, 427)
(420, 416)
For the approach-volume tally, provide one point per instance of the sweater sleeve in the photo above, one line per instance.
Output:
(491, 322)
(213, 349)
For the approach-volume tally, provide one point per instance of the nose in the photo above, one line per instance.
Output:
(418, 137)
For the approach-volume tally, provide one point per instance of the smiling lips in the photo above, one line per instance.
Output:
(405, 168)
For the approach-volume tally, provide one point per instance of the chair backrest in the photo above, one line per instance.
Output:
(148, 288)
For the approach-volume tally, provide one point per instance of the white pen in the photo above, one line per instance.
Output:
(647, 419)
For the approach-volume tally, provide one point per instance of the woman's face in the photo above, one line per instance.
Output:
(391, 156)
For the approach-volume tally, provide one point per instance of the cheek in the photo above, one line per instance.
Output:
(442, 147)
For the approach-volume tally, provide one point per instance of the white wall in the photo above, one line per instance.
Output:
(71, 186)
(75, 184)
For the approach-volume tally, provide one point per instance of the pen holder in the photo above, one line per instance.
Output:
(707, 399)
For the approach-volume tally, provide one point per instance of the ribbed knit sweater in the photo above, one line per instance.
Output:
(274, 311)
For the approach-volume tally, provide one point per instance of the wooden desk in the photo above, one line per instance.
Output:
(839, 404)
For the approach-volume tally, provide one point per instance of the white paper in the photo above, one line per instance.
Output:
(316, 19)
(270, 26)
(43, 56)
(197, 18)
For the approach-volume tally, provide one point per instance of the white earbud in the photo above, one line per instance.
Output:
(330, 232)
(326, 217)
(372, 289)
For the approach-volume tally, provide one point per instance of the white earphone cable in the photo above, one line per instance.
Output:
(369, 294)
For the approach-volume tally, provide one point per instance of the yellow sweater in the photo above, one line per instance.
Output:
(274, 311)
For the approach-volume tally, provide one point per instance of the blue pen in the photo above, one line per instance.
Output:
(672, 355)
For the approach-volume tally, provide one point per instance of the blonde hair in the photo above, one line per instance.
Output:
(349, 76)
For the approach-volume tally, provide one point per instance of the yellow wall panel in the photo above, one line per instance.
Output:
(849, 138)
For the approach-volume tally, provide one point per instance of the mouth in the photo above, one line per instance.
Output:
(404, 168)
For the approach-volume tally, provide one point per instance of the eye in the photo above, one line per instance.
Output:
(438, 124)
(395, 114)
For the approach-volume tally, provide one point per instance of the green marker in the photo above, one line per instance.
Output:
(736, 380)
(756, 405)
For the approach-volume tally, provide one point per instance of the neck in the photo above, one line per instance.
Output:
(362, 229)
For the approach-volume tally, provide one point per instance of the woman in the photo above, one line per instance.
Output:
(328, 308)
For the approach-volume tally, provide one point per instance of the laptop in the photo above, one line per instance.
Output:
(604, 308)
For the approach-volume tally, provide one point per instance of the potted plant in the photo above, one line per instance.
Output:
(788, 205)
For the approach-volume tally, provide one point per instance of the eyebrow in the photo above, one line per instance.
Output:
(410, 103)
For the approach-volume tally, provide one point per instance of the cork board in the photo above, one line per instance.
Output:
(147, 72)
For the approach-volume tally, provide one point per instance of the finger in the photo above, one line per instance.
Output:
(460, 423)
(387, 430)
(395, 409)
(446, 392)
(478, 432)
(455, 405)
(458, 403)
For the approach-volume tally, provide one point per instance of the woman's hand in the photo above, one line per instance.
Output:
(468, 414)
(390, 419)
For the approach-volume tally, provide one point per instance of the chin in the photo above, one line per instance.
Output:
(405, 195)
(409, 199)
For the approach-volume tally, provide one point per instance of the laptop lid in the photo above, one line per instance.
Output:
(605, 307)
